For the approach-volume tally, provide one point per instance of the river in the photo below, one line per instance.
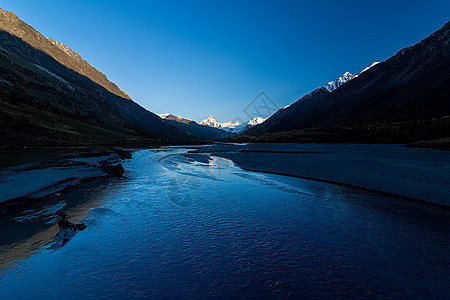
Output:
(180, 225)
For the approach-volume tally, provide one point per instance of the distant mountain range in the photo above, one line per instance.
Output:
(403, 99)
(210, 129)
(232, 126)
(50, 96)
(194, 129)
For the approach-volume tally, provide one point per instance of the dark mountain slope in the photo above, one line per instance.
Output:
(60, 52)
(43, 102)
(405, 98)
(412, 85)
(288, 118)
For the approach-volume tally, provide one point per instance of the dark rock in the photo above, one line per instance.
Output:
(65, 224)
(80, 226)
(123, 154)
(113, 170)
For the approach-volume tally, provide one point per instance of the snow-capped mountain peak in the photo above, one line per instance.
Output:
(256, 121)
(347, 76)
(211, 121)
(332, 85)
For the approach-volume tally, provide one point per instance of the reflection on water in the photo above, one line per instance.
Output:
(188, 225)
(14, 253)
(22, 235)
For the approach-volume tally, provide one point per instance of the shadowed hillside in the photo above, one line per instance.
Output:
(45, 103)
(403, 99)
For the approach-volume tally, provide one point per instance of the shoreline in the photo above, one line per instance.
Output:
(33, 179)
(343, 184)
(414, 174)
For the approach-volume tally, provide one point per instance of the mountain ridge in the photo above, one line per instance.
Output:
(10, 23)
(232, 126)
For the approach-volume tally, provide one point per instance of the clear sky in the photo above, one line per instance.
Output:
(201, 58)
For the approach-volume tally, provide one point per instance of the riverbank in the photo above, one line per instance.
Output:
(30, 176)
(412, 173)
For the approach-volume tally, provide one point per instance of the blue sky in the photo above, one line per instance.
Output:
(201, 58)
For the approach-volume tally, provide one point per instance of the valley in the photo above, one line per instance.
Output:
(340, 194)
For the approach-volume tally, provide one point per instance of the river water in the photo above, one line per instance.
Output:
(181, 225)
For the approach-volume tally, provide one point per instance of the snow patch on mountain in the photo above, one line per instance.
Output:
(256, 121)
(55, 76)
(163, 116)
(211, 122)
(374, 64)
(230, 124)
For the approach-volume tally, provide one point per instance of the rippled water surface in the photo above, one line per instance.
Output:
(183, 225)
